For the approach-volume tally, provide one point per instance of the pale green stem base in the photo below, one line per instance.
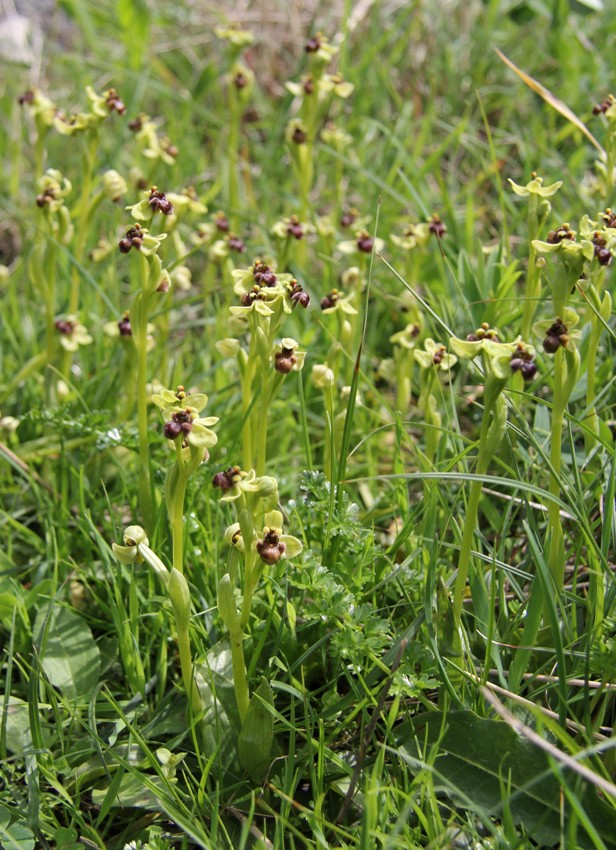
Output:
(240, 681)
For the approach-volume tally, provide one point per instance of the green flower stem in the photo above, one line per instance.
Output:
(492, 427)
(242, 694)
(533, 278)
(249, 583)
(50, 302)
(139, 321)
(328, 454)
(179, 594)
(186, 665)
(305, 175)
(261, 424)
(247, 410)
(228, 612)
(177, 519)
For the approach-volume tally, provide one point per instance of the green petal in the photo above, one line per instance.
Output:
(293, 545)
(273, 519)
(197, 400)
(202, 437)
(467, 349)
(125, 554)
(424, 359)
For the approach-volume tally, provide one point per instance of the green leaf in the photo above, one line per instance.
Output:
(66, 839)
(18, 738)
(134, 19)
(132, 793)
(16, 835)
(69, 655)
(586, 6)
(257, 736)
(221, 723)
(483, 761)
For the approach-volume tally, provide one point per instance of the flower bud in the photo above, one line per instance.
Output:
(322, 376)
(179, 594)
(226, 603)
(114, 185)
(134, 535)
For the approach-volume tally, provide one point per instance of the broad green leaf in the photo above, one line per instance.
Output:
(221, 723)
(18, 737)
(585, 6)
(257, 736)
(16, 835)
(132, 793)
(478, 758)
(69, 655)
(66, 839)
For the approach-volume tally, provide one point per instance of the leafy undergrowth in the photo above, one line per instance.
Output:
(307, 414)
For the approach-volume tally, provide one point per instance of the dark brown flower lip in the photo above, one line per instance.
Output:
(330, 299)
(436, 226)
(227, 479)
